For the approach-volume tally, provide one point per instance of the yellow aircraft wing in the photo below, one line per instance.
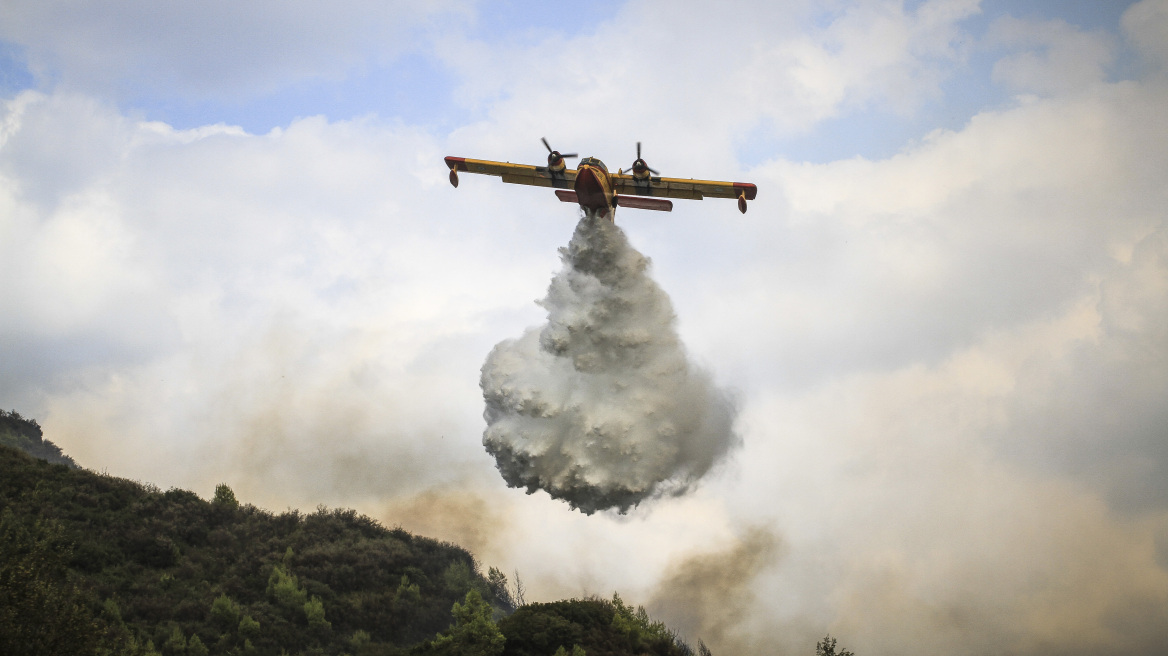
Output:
(682, 188)
(538, 176)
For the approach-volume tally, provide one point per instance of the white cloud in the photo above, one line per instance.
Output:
(693, 78)
(872, 264)
(219, 270)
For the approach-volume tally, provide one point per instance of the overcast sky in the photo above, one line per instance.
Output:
(229, 253)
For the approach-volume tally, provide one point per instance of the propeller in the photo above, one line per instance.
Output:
(555, 159)
(640, 169)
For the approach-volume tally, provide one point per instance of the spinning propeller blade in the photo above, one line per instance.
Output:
(555, 158)
(643, 166)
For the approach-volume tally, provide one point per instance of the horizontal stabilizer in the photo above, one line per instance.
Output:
(644, 203)
(567, 196)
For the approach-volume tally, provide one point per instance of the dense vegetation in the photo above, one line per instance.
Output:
(599, 627)
(26, 435)
(171, 569)
(93, 564)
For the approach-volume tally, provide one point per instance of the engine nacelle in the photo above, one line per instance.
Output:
(556, 162)
(640, 170)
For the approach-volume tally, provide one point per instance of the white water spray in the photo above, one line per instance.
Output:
(600, 407)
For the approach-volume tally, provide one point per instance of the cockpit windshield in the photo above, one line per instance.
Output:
(592, 161)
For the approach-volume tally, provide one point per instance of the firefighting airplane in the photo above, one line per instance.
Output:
(597, 190)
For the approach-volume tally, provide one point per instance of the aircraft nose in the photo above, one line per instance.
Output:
(589, 191)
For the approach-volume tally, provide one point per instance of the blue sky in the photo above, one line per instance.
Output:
(231, 253)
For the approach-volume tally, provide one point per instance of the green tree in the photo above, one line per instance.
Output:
(637, 627)
(497, 582)
(826, 647)
(314, 611)
(359, 639)
(196, 647)
(577, 650)
(177, 642)
(407, 594)
(224, 613)
(624, 620)
(224, 497)
(459, 577)
(111, 612)
(473, 632)
(285, 589)
(248, 628)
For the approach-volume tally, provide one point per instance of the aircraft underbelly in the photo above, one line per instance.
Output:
(591, 191)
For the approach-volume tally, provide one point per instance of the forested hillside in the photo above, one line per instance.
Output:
(26, 435)
(93, 564)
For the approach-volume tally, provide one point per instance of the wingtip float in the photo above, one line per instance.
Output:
(596, 190)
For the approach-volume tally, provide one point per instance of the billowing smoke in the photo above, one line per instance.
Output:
(600, 407)
(708, 596)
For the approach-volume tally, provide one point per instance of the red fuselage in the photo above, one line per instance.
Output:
(593, 189)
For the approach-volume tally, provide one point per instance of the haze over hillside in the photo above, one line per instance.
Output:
(94, 564)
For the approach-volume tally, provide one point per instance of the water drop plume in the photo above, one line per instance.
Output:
(600, 407)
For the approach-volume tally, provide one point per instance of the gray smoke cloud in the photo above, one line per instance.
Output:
(707, 596)
(600, 407)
